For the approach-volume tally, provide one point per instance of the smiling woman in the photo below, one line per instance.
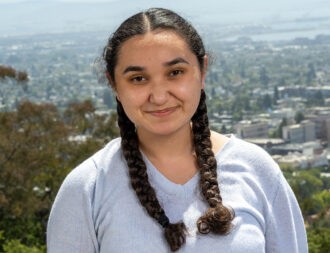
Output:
(157, 188)
(158, 81)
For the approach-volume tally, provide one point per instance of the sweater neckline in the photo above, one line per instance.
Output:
(162, 184)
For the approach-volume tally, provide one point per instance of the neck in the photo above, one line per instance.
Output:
(164, 146)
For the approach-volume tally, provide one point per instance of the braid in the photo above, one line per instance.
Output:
(217, 218)
(174, 233)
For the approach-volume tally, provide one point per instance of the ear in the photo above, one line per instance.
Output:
(108, 77)
(204, 71)
(112, 84)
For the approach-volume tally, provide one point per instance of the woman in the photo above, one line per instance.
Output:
(157, 188)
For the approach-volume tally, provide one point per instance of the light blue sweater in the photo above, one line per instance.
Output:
(96, 211)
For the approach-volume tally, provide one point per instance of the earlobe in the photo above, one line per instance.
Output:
(204, 71)
(117, 96)
(205, 63)
(108, 77)
(111, 82)
(203, 82)
(116, 92)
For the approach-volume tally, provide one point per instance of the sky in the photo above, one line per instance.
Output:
(52, 16)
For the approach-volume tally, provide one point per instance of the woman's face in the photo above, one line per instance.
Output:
(158, 81)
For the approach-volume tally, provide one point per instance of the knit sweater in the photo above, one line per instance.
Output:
(97, 211)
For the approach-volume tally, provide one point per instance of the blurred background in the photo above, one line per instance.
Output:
(268, 83)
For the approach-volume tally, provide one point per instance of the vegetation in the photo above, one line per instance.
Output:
(39, 146)
(9, 79)
(312, 192)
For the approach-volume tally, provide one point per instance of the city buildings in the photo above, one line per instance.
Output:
(249, 129)
(299, 133)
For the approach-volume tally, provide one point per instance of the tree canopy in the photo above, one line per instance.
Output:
(38, 149)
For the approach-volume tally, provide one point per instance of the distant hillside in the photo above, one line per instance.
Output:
(42, 16)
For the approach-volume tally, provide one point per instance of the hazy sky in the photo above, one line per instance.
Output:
(40, 16)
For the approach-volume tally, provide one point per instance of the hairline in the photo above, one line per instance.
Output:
(160, 29)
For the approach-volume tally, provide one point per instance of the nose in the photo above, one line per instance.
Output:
(159, 92)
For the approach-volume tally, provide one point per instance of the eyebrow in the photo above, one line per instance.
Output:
(133, 68)
(175, 61)
(167, 64)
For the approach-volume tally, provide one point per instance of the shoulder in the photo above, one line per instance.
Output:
(109, 154)
(248, 163)
(84, 176)
(218, 141)
(71, 222)
(239, 152)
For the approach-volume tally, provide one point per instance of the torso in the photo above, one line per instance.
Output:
(97, 210)
(125, 233)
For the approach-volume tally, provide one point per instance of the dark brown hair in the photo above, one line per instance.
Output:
(217, 218)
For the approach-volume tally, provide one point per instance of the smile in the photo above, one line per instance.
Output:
(163, 112)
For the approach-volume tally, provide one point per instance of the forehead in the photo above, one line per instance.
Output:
(160, 43)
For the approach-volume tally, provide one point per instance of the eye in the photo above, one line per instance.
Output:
(137, 79)
(176, 72)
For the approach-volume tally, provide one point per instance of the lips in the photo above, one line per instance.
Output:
(163, 112)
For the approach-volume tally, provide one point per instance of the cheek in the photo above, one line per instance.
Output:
(132, 103)
(191, 91)
(130, 95)
(130, 110)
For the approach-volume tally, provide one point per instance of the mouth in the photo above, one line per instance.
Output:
(163, 112)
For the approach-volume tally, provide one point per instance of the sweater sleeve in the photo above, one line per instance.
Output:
(285, 225)
(70, 227)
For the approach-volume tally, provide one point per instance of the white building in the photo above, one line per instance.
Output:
(302, 161)
(320, 116)
(299, 133)
(248, 129)
(282, 113)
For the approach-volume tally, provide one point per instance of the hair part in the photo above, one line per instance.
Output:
(144, 22)
(217, 218)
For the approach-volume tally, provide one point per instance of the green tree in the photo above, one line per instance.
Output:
(241, 102)
(304, 185)
(80, 116)
(264, 102)
(15, 246)
(316, 99)
(326, 182)
(299, 117)
(318, 240)
(106, 127)
(311, 75)
(321, 200)
(278, 132)
(9, 80)
(276, 95)
(263, 76)
(238, 116)
(36, 153)
(223, 129)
